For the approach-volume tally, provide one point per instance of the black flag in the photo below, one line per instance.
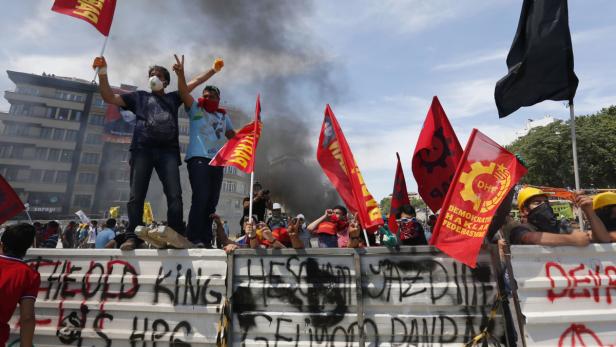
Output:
(540, 61)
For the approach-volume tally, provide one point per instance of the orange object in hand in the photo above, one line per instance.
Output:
(99, 62)
(218, 64)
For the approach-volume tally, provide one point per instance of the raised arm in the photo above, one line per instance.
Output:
(178, 68)
(312, 227)
(103, 84)
(294, 230)
(599, 231)
(216, 67)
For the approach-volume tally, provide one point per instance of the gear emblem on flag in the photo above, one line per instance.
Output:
(441, 152)
(496, 191)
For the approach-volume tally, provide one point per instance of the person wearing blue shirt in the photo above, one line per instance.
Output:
(107, 234)
(210, 127)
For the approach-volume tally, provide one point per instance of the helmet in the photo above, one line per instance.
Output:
(276, 206)
(603, 199)
(527, 193)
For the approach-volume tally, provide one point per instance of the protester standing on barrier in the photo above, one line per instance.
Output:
(19, 283)
(331, 227)
(604, 208)
(541, 227)
(210, 127)
(154, 145)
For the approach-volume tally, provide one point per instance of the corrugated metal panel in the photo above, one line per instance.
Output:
(420, 297)
(415, 297)
(565, 293)
(146, 297)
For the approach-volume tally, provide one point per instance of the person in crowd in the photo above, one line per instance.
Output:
(222, 238)
(356, 237)
(262, 236)
(410, 231)
(50, 235)
(92, 234)
(225, 226)
(106, 237)
(541, 227)
(277, 220)
(154, 145)
(601, 212)
(331, 228)
(210, 127)
(304, 234)
(69, 236)
(19, 283)
(261, 202)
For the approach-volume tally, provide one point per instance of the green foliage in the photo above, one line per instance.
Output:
(416, 202)
(548, 155)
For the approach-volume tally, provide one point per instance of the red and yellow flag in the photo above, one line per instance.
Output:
(336, 159)
(241, 149)
(99, 13)
(485, 175)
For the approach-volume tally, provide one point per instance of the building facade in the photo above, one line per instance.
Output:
(56, 153)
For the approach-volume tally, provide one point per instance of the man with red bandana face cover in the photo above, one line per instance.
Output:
(210, 127)
(410, 231)
(331, 228)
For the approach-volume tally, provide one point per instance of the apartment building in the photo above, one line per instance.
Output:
(59, 155)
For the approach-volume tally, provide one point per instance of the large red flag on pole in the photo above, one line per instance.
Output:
(99, 13)
(436, 156)
(241, 149)
(399, 197)
(484, 177)
(10, 204)
(336, 159)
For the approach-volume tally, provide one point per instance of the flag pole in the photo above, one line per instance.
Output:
(576, 171)
(252, 182)
(102, 52)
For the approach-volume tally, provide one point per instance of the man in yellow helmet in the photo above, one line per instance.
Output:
(541, 227)
(604, 207)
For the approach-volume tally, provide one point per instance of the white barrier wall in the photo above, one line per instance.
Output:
(567, 294)
(113, 298)
(415, 297)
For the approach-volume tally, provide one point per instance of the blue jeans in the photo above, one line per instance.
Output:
(328, 241)
(142, 163)
(205, 181)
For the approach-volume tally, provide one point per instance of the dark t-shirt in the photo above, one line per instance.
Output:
(148, 106)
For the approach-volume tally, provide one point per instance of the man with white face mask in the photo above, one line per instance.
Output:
(155, 143)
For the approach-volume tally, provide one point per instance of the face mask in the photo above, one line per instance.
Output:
(605, 215)
(155, 83)
(543, 217)
(209, 105)
(407, 229)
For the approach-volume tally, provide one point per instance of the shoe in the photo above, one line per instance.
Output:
(129, 245)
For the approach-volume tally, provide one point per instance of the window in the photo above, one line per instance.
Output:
(96, 119)
(82, 200)
(98, 102)
(46, 133)
(184, 129)
(87, 178)
(54, 154)
(40, 153)
(51, 112)
(5, 150)
(66, 156)
(48, 176)
(237, 204)
(75, 115)
(94, 139)
(27, 90)
(71, 135)
(63, 114)
(62, 177)
(36, 175)
(230, 170)
(89, 158)
(228, 186)
(58, 134)
(18, 152)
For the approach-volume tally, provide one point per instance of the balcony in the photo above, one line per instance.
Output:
(49, 100)
(42, 120)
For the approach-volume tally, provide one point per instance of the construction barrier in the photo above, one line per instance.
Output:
(565, 294)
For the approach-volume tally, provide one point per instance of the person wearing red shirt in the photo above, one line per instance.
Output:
(331, 228)
(19, 283)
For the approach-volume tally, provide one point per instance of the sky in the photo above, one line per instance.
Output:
(377, 63)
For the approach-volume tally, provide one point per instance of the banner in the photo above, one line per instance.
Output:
(240, 151)
(10, 204)
(148, 215)
(436, 156)
(83, 217)
(336, 159)
(114, 212)
(118, 124)
(540, 60)
(399, 197)
(99, 13)
(484, 177)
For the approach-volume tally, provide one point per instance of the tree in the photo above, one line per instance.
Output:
(547, 152)
(416, 202)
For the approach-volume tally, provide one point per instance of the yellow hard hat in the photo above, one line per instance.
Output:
(603, 199)
(527, 193)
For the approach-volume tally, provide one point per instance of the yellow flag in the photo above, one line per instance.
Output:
(114, 212)
(148, 216)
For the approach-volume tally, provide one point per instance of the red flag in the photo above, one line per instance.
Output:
(99, 13)
(335, 157)
(241, 149)
(10, 204)
(485, 175)
(399, 197)
(436, 156)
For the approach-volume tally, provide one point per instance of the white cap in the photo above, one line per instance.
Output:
(276, 206)
(300, 216)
